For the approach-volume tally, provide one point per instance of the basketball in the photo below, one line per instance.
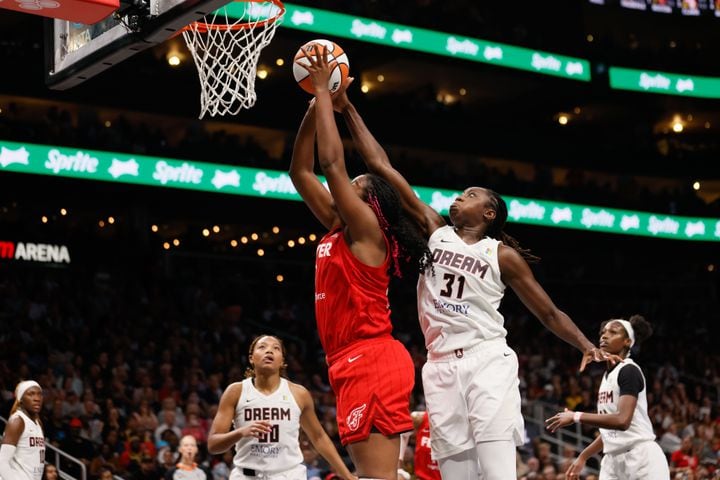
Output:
(335, 54)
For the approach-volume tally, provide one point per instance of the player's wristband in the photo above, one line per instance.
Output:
(576, 417)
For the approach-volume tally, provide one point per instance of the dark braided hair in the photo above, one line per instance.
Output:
(495, 229)
(408, 248)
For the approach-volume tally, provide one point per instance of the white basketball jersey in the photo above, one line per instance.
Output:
(640, 429)
(458, 305)
(278, 450)
(28, 462)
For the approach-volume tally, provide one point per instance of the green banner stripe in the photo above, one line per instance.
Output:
(662, 82)
(212, 177)
(422, 40)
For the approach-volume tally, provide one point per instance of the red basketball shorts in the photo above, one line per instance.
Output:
(372, 381)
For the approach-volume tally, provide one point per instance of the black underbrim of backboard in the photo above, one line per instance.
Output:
(156, 30)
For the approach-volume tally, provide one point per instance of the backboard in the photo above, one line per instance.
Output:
(76, 52)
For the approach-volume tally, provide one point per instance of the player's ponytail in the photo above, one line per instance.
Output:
(495, 229)
(15, 406)
(642, 328)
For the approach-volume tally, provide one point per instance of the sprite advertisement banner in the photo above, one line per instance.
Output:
(661, 82)
(211, 177)
(325, 22)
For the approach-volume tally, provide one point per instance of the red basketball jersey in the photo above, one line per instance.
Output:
(425, 467)
(351, 301)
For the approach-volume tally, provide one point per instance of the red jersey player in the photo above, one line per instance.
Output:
(370, 372)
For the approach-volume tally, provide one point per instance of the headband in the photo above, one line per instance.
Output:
(629, 329)
(23, 387)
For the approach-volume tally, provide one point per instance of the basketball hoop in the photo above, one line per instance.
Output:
(226, 45)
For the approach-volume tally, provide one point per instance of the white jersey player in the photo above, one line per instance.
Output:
(626, 433)
(470, 380)
(22, 455)
(261, 416)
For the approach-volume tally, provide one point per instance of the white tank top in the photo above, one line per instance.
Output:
(458, 306)
(280, 449)
(640, 429)
(29, 458)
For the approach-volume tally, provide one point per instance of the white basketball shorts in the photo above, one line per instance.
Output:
(472, 396)
(644, 461)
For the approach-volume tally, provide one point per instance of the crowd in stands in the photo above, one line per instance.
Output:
(131, 361)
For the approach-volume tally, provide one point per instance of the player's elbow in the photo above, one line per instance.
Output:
(624, 424)
(214, 447)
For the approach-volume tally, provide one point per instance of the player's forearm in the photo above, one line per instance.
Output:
(303, 157)
(330, 148)
(561, 325)
(222, 442)
(610, 421)
(593, 449)
(372, 152)
(6, 453)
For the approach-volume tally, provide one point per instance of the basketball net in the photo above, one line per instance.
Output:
(226, 45)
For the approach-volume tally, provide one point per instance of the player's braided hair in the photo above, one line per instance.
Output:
(408, 248)
(250, 371)
(495, 229)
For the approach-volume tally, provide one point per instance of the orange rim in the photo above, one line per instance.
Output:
(203, 27)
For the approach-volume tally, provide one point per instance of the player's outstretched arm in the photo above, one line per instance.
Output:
(303, 176)
(221, 438)
(378, 162)
(356, 214)
(517, 274)
(315, 432)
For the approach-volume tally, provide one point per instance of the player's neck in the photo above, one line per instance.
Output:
(470, 234)
(28, 413)
(266, 383)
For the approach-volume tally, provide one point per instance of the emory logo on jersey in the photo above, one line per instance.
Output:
(458, 260)
(353, 420)
(442, 306)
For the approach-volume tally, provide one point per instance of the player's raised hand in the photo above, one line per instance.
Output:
(319, 68)
(597, 355)
(340, 99)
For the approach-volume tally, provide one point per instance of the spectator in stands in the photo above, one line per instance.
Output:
(187, 468)
(51, 472)
(684, 460)
(77, 446)
(145, 418)
(169, 422)
(670, 441)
